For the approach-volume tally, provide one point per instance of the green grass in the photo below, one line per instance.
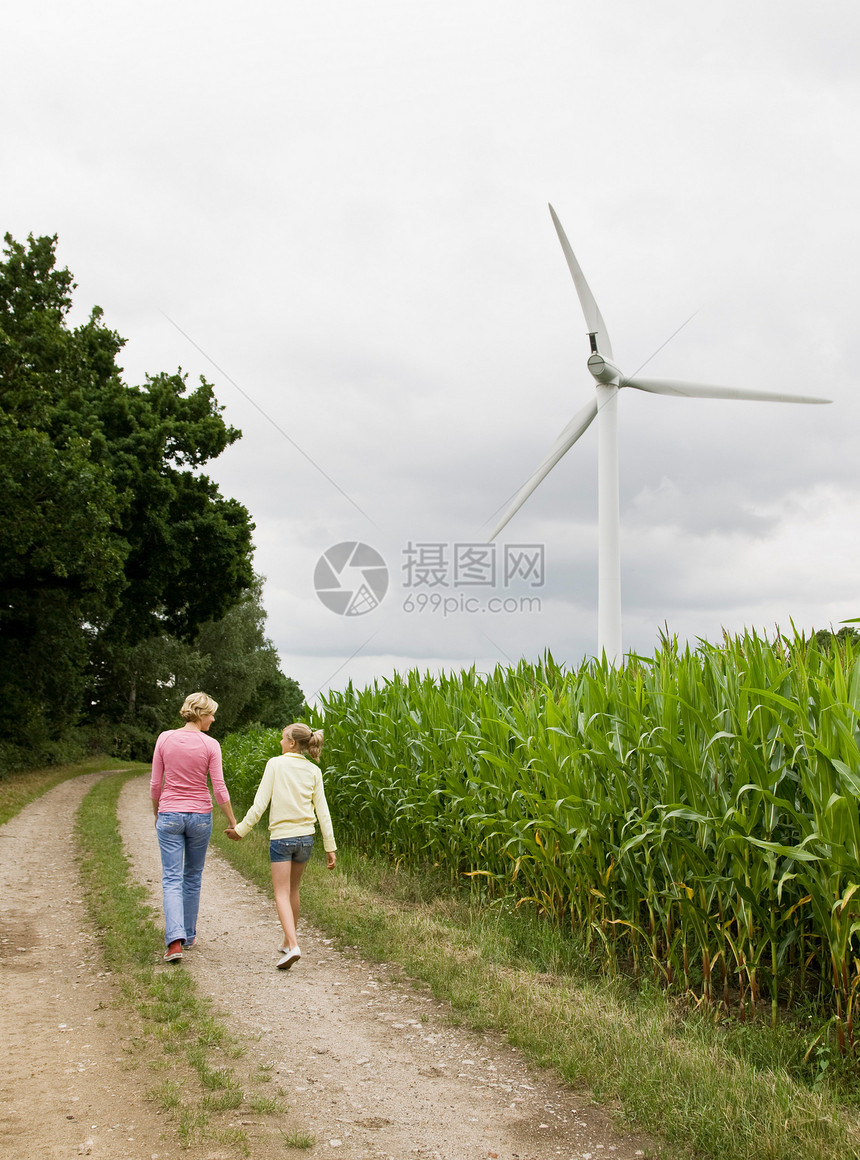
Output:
(297, 1139)
(167, 1094)
(266, 1105)
(224, 1100)
(700, 1084)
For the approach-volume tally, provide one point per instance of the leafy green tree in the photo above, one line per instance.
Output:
(189, 548)
(825, 638)
(244, 673)
(231, 659)
(141, 689)
(110, 536)
(278, 701)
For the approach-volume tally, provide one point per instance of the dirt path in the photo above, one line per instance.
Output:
(370, 1066)
(64, 1086)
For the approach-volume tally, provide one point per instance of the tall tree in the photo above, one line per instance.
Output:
(243, 673)
(231, 659)
(109, 533)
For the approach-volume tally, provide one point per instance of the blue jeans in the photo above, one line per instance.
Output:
(184, 839)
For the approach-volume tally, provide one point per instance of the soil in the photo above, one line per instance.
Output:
(367, 1062)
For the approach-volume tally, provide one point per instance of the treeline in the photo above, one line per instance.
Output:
(126, 578)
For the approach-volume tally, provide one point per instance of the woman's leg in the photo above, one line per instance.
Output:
(198, 831)
(170, 830)
(285, 881)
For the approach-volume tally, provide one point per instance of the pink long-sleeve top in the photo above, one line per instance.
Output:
(180, 764)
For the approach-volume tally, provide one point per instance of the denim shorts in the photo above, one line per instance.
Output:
(291, 849)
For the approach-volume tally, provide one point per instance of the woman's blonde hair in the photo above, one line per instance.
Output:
(308, 740)
(197, 705)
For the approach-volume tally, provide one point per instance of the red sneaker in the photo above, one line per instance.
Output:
(174, 952)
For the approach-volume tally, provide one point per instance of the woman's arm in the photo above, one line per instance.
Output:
(227, 810)
(156, 781)
(219, 786)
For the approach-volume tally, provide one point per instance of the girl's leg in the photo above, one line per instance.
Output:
(295, 879)
(300, 861)
(285, 881)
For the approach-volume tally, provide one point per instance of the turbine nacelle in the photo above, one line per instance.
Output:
(604, 371)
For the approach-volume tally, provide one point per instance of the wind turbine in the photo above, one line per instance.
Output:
(608, 381)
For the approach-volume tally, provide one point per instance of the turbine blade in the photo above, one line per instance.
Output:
(593, 318)
(703, 391)
(578, 424)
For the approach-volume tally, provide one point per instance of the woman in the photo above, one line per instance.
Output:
(183, 815)
(294, 786)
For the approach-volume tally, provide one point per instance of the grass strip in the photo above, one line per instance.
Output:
(19, 789)
(194, 1043)
(683, 1078)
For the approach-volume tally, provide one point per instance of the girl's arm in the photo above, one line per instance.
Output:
(261, 800)
(324, 819)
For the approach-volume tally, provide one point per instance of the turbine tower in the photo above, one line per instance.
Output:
(608, 381)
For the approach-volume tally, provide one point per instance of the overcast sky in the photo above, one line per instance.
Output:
(337, 213)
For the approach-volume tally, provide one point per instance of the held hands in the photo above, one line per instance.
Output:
(232, 835)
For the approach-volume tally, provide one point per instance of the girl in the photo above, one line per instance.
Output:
(294, 786)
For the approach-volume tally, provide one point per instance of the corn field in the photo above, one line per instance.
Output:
(693, 815)
(245, 755)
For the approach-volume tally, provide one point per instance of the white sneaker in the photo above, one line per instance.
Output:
(288, 958)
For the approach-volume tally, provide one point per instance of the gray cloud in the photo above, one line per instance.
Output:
(345, 208)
